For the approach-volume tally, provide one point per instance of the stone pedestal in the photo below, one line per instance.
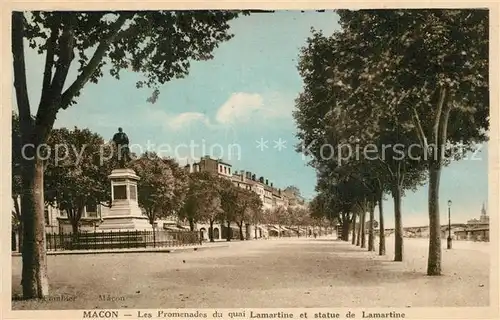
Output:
(124, 213)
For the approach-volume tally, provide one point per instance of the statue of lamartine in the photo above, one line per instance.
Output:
(121, 142)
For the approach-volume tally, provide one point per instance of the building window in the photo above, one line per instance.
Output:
(220, 168)
(225, 170)
(91, 209)
(229, 170)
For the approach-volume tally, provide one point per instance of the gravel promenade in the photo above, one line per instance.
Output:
(266, 274)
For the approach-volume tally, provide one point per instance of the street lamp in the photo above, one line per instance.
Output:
(449, 225)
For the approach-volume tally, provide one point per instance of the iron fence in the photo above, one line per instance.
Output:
(99, 240)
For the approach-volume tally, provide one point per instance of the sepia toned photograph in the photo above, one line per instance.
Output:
(170, 162)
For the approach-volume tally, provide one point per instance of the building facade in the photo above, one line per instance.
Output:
(57, 221)
(270, 196)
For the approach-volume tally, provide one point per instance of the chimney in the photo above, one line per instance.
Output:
(261, 179)
(253, 177)
(267, 182)
(271, 184)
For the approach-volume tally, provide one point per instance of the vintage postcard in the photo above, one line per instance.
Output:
(250, 160)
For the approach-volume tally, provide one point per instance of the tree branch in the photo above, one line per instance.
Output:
(79, 213)
(66, 55)
(94, 62)
(49, 64)
(420, 130)
(71, 214)
(23, 104)
(444, 130)
(49, 106)
(437, 120)
(403, 174)
(386, 165)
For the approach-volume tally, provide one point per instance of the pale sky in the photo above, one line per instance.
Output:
(245, 94)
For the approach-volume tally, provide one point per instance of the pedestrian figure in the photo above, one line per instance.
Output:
(315, 235)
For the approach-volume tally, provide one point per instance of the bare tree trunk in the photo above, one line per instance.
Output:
(345, 230)
(154, 235)
(363, 229)
(353, 240)
(434, 260)
(240, 226)
(35, 281)
(398, 230)
(371, 232)
(20, 235)
(74, 227)
(211, 234)
(358, 240)
(191, 224)
(229, 233)
(381, 247)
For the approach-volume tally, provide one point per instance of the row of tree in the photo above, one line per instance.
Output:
(76, 169)
(385, 101)
(157, 44)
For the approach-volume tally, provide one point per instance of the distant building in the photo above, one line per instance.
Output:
(482, 222)
(207, 164)
(474, 230)
(57, 221)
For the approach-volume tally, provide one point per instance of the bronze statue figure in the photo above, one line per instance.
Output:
(121, 141)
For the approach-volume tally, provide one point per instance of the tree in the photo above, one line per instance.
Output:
(246, 202)
(298, 217)
(229, 203)
(340, 108)
(17, 190)
(158, 44)
(256, 217)
(430, 67)
(203, 200)
(282, 217)
(253, 209)
(181, 185)
(74, 174)
(156, 188)
(332, 201)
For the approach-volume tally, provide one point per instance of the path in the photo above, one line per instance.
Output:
(267, 273)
